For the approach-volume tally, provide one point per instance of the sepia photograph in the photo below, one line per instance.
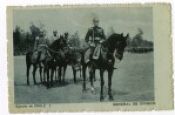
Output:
(78, 55)
(61, 42)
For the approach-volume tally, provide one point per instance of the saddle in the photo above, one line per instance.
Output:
(96, 53)
(92, 53)
(39, 54)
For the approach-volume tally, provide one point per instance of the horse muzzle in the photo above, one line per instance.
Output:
(119, 56)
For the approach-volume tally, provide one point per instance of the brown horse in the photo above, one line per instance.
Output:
(35, 58)
(58, 50)
(114, 45)
(74, 57)
(64, 55)
(44, 58)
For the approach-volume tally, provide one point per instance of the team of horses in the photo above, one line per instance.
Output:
(57, 56)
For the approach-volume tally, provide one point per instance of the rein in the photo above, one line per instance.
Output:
(53, 51)
(107, 45)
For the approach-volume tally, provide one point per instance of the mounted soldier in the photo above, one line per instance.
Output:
(40, 45)
(94, 37)
(53, 37)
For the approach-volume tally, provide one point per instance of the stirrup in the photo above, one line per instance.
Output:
(95, 57)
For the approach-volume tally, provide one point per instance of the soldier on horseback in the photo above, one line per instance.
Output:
(94, 37)
(40, 45)
(54, 37)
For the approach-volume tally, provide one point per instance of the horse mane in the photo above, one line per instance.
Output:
(111, 40)
(54, 45)
(115, 37)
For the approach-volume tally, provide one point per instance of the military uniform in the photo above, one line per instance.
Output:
(39, 48)
(39, 42)
(94, 37)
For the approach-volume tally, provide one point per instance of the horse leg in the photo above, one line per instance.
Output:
(52, 74)
(102, 84)
(74, 74)
(48, 84)
(34, 72)
(80, 72)
(84, 77)
(94, 78)
(59, 73)
(28, 64)
(64, 73)
(110, 72)
(45, 71)
(55, 71)
(40, 69)
(28, 70)
(91, 73)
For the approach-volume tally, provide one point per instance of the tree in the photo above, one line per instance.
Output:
(16, 35)
(35, 31)
(74, 40)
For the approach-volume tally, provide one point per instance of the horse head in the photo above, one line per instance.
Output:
(120, 45)
(66, 34)
(62, 42)
(118, 42)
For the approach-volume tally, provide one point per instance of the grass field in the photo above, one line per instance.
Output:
(133, 81)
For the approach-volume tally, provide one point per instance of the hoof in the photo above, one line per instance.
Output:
(111, 98)
(28, 84)
(93, 90)
(48, 86)
(101, 98)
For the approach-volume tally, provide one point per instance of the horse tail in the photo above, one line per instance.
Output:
(82, 56)
(28, 58)
(82, 52)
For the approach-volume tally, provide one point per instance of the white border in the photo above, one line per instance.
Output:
(3, 43)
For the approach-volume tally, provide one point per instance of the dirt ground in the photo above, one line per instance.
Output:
(133, 81)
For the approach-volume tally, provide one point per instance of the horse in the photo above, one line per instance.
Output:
(74, 57)
(35, 58)
(64, 56)
(57, 50)
(114, 45)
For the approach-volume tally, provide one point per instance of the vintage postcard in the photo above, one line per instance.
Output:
(89, 58)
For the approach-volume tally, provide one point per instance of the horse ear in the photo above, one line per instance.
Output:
(122, 34)
(127, 36)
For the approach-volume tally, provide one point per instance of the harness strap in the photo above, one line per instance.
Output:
(53, 51)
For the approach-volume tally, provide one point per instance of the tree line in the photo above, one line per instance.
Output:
(138, 44)
(23, 41)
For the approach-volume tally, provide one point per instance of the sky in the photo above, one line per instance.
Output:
(118, 19)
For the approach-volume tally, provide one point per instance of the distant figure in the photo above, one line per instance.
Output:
(41, 43)
(54, 37)
(94, 37)
(66, 36)
(36, 43)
